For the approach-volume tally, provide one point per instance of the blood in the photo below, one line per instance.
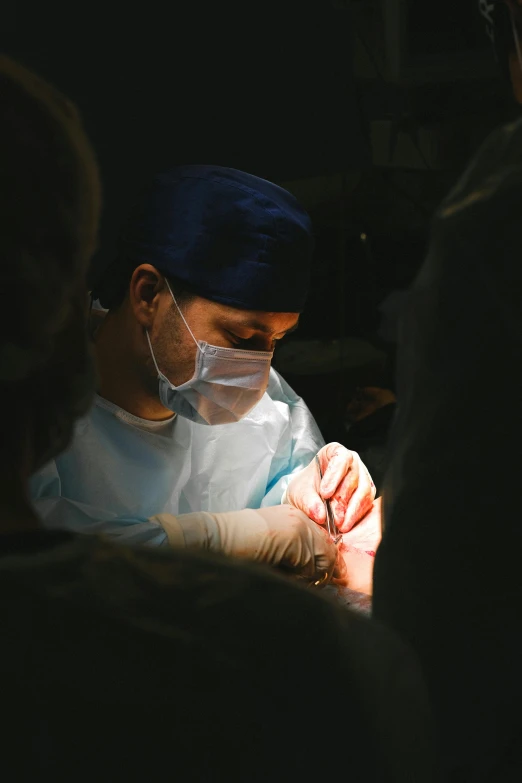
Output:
(343, 547)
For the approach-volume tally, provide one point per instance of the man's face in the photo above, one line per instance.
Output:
(217, 324)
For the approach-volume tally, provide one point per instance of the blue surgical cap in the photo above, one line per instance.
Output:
(229, 236)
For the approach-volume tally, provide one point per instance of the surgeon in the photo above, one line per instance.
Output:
(194, 439)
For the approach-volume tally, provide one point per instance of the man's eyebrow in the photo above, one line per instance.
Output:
(257, 326)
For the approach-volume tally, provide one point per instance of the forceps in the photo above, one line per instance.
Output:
(330, 522)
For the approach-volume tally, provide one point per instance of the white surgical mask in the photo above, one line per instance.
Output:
(226, 385)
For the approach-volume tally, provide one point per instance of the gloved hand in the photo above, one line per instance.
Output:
(346, 483)
(280, 536)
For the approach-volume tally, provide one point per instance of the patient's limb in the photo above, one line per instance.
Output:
(357, 550)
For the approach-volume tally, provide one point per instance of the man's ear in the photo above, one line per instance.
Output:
(145, 289)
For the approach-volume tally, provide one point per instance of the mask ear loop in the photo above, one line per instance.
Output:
(160, 374)
(181, 314)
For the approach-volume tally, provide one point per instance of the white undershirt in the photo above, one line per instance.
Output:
(157, 427)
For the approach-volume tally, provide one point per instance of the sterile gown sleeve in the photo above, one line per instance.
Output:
(61, 513)
(447, 573)
(299, 442)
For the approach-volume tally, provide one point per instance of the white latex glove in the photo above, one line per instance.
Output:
(280, 536)
(346, 483)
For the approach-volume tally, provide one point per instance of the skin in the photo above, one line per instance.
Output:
(128, 377)
(357, 551)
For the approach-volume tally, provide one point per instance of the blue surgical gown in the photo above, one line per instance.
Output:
(121, 470)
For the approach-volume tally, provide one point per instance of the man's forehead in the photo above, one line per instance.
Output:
(269, 323)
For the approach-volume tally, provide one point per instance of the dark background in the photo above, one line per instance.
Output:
(266, 87)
